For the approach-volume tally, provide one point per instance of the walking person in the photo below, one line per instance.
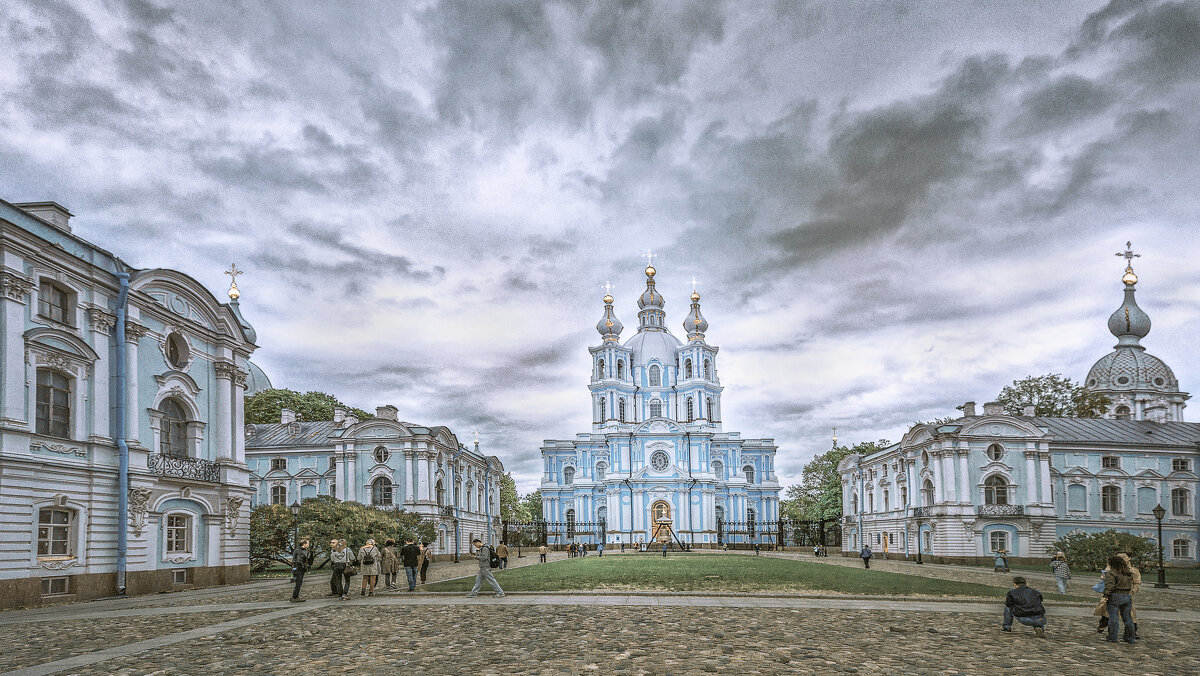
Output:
(483, 554)
(368, 559)
(339, 561)
(1025, 604)
(542, 554)
(757, 548)
(866, 556)
(426, 557)
(600, 549)
(390, 566)
(502, 552)
(410, 556)
(1062, 572)
(1118, 595)
(664, 550)
(302, 559)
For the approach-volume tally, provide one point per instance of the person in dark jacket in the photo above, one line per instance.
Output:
(1025, 604)
(866, 556)
(302, 559)
(410, 558)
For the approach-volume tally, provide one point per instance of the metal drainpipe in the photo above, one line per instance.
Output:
(487, 512)
(122, 444)
(862, 538)
(691, 527)
(454, 489)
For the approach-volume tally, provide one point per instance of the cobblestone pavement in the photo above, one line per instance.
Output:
(252, 629)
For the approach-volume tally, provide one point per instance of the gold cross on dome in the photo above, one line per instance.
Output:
(649, 256)
(608, 287)
(694, 283)
(233, 272)
(1128, 255)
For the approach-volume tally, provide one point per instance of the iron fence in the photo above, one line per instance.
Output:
(780, 533)
(552, 533)
(183, 468)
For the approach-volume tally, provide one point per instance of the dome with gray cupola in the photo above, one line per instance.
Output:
(609, 326)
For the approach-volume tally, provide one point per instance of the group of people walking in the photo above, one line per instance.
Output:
(369, 562)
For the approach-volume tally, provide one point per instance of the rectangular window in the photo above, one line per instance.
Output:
(54, 302)
(179, 534)
(332, 462)
(54, 532)
(1110, 462)
(279, 463)
(278, 495)
(998, 540)
(53, 404)
(1110, 499)
(1180, 465)
(1181, 549)
(179, 576)
(1180, 501)
(55, 586)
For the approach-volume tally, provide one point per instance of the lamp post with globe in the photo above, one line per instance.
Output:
(1159, 513)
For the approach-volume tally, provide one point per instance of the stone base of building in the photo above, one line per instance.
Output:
(27, 592)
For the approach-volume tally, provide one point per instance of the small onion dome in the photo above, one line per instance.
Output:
(695, 325)
(1129, 323)
(609, 326)
(650, 297)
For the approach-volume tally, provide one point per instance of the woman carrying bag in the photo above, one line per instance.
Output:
(369, 560)
(339, 561)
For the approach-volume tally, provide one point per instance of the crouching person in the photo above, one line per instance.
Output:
(1024, 604)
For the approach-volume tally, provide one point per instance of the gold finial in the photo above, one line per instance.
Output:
(835, 437)
(608, 299)
(695, 295)
(233, 272)
(649, 256)
(1129, 278)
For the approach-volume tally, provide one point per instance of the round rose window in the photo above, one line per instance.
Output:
(659, 461)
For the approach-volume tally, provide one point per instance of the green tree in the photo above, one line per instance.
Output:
(1052, 396)
(510, 500)
(531, 506)
(819, 493)
(270, 536)
(1090, 551)
(264, 407)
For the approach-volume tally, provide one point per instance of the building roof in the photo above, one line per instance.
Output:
(287, 435)
(1121, 432)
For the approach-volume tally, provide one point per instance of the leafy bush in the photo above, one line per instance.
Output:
(1090, 551)
(323, 518)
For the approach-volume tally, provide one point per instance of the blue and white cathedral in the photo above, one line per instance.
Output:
(657, 455)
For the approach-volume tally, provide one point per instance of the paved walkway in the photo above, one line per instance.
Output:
(253, 629)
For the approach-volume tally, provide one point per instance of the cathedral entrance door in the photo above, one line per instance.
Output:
(660, 517)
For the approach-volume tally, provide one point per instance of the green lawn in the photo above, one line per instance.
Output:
(715, 572)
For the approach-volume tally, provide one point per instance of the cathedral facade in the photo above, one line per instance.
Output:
(657, 465)
(988, 481)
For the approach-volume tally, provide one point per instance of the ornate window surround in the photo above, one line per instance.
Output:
(76, 363)
(193, 526)
(77, 554)
(75, 290)
(179, 386)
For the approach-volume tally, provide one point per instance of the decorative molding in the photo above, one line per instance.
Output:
(101, 320)
(138, 499)
(225, 370)
(58, 448)
(134, 332)
(239, 378)
(15, 287)
(233, 508)
(61, 564)
(179, 559)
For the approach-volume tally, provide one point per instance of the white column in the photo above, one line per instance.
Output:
(15, 289)
(947, 461)
(423, 478)
(1031, 477)
(133, 412)
(964, 476)
(225, 414)
(939, 488)
(351, 477)
(1047, 485)
(102, 325)
(339, 474)
(410, 492)
(238, 393)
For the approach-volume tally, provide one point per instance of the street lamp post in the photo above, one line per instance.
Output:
(295, 508)
(919, 561)
(1159, 513)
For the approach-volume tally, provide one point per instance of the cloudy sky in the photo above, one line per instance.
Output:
(892, 207)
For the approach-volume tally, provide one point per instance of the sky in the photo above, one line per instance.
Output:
(891, 207)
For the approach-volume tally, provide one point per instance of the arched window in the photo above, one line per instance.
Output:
(1181, 499)
(278, 495)
(172, 438)
(887, 505)
(621, 409)
(660, 511)
(479, 503)
(750, 519)
(707, 370)
(655, 376)
(381, 491)
(53, 404)
(570, 522)
(600, 369)
(178, 352)
(708, 411)
(601, 471)
(718, 470)
(603, 408)
(870, 503)
(440, 492)
(381, 454)
(903, 496)
(1122, 413)
(687, 368)
(691, 415)
(720, 513)
(458, 493)
(927, 493)
(749, 471)
(995, 452)
(568, 475)
(470, 494)
(621, 369)
(602, 515)
(1110, 499)
(995, 490)
(655, 408)
(854, 504)
(925, 458)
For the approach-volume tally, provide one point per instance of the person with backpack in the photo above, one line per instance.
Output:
(410, 555)
(1118, 597)
(542, 554)
(426, 557)
(488, 560)
(866, 556)
(302, 559)
(368, 559)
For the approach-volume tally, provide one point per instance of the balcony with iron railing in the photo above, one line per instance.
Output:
(1000, 510)
(181, 467)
